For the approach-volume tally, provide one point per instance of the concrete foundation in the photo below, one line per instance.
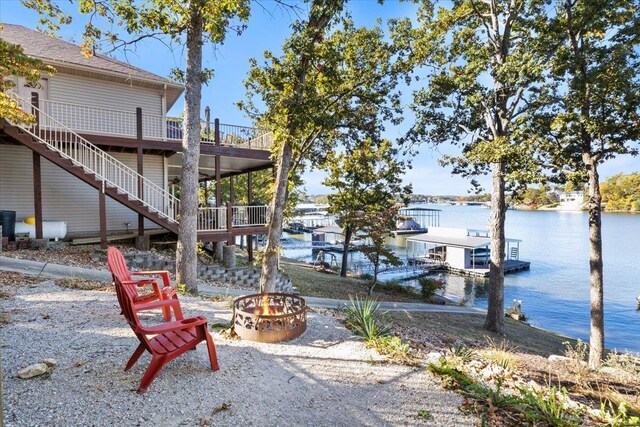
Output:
(143, 243)
(229, 256)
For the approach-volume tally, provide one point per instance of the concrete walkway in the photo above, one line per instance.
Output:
(58, 271)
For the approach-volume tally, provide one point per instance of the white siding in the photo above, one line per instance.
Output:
(65, 197)
(104, 94)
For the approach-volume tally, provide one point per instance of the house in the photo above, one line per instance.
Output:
(103, 154)
(571, 200)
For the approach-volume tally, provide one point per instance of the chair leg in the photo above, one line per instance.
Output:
(211, 347)
(154, 367)
(134, 357)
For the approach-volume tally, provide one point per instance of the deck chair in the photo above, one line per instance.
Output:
(165, 341)
(122, 275)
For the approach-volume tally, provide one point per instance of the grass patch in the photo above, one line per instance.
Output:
(330, 285)
(425, 415)
(84, 284)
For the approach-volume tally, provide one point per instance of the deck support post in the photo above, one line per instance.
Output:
(102, 207)
(250, 202)
(37, 194)
(140, 166)
(37, 171)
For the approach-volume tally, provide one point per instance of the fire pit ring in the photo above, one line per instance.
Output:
(269, 317)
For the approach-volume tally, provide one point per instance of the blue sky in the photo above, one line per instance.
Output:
(267, 29)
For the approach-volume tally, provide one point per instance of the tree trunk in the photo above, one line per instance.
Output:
(596, 282)
(186, 253)
(375, 277)
(495, 312)
(345, 253)
(318, 21)
(272, 249)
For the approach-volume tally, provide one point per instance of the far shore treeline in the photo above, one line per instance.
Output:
(620, 193)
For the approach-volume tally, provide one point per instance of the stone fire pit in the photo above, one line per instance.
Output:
(269, 317)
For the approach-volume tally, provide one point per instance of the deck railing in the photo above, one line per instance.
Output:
(107, 121)
(230, 216)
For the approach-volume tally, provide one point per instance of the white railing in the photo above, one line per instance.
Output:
(96, 120)
(215, 218)
(112, 172)
(249, 216)
(263, 141)
(212, 219)
(106, 121)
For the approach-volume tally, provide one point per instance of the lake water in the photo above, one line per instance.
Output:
(555, 291)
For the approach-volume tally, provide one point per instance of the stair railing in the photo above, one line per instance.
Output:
(106, 168)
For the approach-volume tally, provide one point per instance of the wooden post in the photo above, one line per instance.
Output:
(229, 217)
(35, 101)
(216, 126)
(250, 202)
(140, 167)
(218, 182)
(207, 120)
(37, 194)
(103, 218)
(232, 193)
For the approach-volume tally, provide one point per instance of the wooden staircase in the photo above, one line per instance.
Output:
(90, 178)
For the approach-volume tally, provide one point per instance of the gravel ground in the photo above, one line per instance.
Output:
(324, 378)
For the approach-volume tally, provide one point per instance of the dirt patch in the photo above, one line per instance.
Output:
(324, 378)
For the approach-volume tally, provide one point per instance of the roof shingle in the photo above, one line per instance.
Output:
(45, 47)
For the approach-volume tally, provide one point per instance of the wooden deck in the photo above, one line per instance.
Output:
(510, 266)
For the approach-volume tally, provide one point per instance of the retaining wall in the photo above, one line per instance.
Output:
(245, 277)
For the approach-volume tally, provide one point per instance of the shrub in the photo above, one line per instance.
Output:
(549, 408)
(395, 287)
(392, 346)
(429, 287)
(577, 353)
(365, 321)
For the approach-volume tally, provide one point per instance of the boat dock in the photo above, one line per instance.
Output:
(430, 266)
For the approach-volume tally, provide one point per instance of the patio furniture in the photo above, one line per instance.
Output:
(121, 274)
(165, 341)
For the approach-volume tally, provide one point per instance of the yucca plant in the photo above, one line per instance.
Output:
(365, 321)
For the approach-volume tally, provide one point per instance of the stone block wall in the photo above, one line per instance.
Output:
(242, 277)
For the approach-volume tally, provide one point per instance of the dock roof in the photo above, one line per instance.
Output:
(334, 229)
(467, 242)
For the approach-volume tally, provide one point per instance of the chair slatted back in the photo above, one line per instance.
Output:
(126, 293)
(117, 265)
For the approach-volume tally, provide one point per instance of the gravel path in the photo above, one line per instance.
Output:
(324, 378)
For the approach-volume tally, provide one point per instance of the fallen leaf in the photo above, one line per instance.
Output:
(223, 407)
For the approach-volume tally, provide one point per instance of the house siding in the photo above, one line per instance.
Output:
(65, 197)
(104, 94)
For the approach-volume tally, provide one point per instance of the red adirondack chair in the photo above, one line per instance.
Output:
(165, 341)
(121, 274)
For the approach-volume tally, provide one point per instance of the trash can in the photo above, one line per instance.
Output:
(8, 223)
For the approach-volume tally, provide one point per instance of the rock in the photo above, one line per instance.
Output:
(433, 357)
(50, 362)
(557, 358)
(34, 370)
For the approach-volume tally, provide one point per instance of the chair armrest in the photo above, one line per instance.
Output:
(164, 274)
(174, 326)
(140, 282)
(173, 303)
